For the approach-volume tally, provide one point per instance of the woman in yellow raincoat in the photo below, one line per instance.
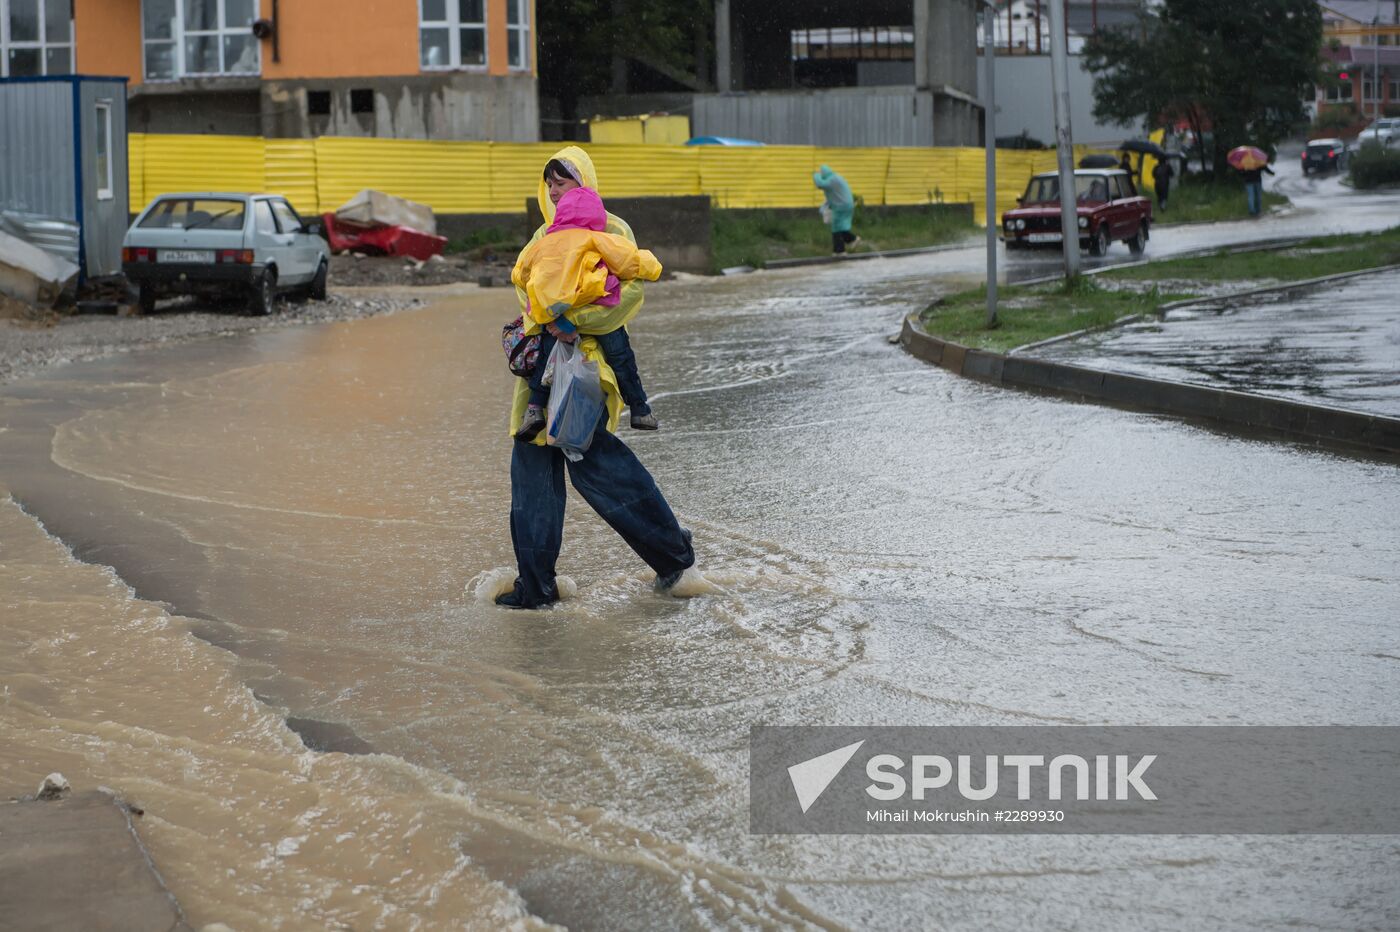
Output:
(577, 263)
(609, 476)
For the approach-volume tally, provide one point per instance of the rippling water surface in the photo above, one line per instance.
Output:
(326, 509)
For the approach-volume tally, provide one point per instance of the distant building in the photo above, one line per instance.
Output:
(430, 69)
(1361, 38)
(834, 72)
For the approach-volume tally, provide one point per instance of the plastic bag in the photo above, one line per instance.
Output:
(825, 211)
(575, 400)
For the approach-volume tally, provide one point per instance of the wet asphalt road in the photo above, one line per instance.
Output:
(892, 544)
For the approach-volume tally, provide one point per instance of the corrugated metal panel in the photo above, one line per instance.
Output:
(922, 176)
(854, 118)
(647, 170)
(465, 177)
(104, 218)
(865, 170)
(515, 172)
(450, 177)
(203, 163)
(772, 176)
(289, 169)
(36, 149)
(136, 171)
(59, 237)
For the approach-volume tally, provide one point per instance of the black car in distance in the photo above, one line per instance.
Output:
(1325, 155)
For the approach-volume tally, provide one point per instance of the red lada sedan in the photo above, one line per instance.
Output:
(1109, 207)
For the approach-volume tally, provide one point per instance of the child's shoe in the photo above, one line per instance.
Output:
(646, 421)
(531, 424)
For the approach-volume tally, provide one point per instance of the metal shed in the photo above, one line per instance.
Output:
(63, 167)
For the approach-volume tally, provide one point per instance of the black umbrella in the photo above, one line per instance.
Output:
(1145, 146)
(1098, 160)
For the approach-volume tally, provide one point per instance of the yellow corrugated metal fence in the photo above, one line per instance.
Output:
(490, 177)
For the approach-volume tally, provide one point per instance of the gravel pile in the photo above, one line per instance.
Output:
(376, 271)
(29, 345)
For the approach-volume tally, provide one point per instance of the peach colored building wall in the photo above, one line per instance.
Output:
(107, 37)
(342, 39)
(317, 38)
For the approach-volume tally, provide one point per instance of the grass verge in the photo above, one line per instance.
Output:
(1322, 255)
(753, 237)
(1027, 314)
(1203, 198)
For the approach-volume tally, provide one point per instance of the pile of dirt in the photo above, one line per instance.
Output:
(352, 270)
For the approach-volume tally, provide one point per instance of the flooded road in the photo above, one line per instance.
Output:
(890, 544)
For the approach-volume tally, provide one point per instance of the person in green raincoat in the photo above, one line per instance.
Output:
(839, 208)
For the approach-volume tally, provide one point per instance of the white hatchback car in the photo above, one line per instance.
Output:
(1385, 131)
(211, 243)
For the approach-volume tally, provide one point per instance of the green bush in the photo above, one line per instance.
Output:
(1374, 165)
(1332, 119)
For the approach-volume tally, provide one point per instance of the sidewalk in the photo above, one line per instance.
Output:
(1339, 345)
(76, 863)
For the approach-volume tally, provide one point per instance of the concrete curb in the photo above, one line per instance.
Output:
(1333, 427)
(800, 261)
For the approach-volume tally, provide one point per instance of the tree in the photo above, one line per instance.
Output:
(587, 47)
(1243, 70)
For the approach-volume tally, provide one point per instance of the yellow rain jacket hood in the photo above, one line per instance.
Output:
(568, 267)
(592, 319)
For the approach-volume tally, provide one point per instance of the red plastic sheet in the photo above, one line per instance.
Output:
(383, 241)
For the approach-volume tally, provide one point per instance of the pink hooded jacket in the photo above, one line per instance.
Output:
(576, 263)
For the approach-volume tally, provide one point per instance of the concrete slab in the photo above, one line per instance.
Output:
(76, 863)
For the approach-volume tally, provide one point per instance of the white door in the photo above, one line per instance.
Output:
(303, 245)
(272, 246)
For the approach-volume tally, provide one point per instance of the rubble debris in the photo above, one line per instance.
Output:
(31, 275)
(384, 240)
(53, 787)
(370, 209)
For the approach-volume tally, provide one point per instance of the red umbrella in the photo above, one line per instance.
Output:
(1247, 157)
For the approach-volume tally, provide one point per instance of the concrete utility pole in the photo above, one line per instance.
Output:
(1059, 83)
(1375, 64)
(989, 141)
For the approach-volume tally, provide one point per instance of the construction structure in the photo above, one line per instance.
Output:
(432, 69)
(63, 167)
(816, 72)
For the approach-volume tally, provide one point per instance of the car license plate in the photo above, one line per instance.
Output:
(1043, 237)
(187, 255)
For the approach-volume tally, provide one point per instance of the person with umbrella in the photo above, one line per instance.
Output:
(1251, 162)
(1162, 182)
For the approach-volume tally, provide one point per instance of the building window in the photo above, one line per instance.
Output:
(318, 103)
(362, 100)
(199, 38)
(104, 151)
(36, 37)
(452, 33)
(1340, 94)
(518, 32)
(1393, 94)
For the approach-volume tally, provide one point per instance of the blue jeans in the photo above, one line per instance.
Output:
(1254, 196)
(617, 350)
(614, 483)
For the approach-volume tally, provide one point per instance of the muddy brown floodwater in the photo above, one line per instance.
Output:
(889, 545)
